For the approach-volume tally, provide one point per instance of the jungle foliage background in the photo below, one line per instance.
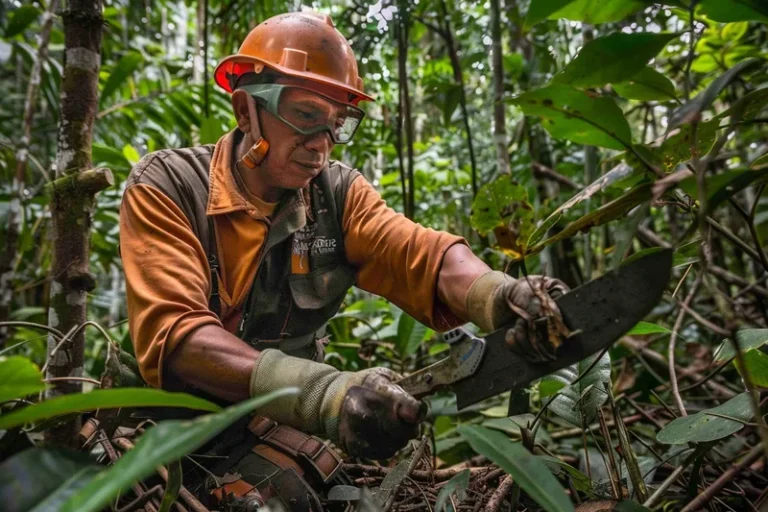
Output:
(566, 134)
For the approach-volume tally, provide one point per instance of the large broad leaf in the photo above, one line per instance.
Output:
(748, 107)
(578, 116)
(613, 58)
(647, 85)
(600, 11)
(735, 10)
(20, 19)
(692, 110)
(679, 147)
(456, 485)
(541, 9)
(756, 361)
(167, 442)
(502, 207)
(578, 402)
(410, 334)
(103, 399)
(20, 377)
(703, 427)
(46, 475)
(526, 469)
(121, 72)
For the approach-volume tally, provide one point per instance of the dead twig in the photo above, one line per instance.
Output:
(497, 498)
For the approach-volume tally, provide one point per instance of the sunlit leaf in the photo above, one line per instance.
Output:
(577, 116)
(103, 399)
(735, 10)
(600, 11)
(502, 207)
(647, 85)
(164, 443)
(20, 377)
(121, 72)
(692, 110)
(526, 469)
(643, 328)
(19, 19)
(702, 427)
(613, 58)
(577, 403)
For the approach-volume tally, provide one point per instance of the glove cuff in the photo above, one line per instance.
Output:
(483, 306)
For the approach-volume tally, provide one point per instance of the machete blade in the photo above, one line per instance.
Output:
(599, 313)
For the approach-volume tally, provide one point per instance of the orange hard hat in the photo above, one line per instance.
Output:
(303, 45)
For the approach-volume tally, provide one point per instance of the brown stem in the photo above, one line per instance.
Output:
(703, 498)
(497, 498)
(671, 350)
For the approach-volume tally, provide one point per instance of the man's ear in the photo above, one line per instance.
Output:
(242, 110)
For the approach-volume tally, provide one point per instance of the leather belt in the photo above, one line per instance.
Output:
(324, 461)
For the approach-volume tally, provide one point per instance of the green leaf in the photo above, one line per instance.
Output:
(678, 148)
(748, 107)
(48, 475)
(600, 11)
(542, 9)
(692, 110)
(606, 213)
(734, 31)
(702, 427)
(760, 162)
(526, 469)
(613, 58)
(549, 387)
(211, 130)
(579, 401)
(502, 207)
(103, 399)
(20, 377)
(410, 334)
(577, 116)
(167, 442)
(735, 10)
(121, 72)
(722, 186)
(20, 19)
(748, 340)
(643, 328)
(456, 485)
(647, 85)
(558, 467)
(130, 154)
(756, 364)
(172, 487)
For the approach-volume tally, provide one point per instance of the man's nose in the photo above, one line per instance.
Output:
(320, 142)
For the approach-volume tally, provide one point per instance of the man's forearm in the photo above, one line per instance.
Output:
(459, 270)
(215, 361)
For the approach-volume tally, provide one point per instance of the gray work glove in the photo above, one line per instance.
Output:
(496, 299)
(364, 412)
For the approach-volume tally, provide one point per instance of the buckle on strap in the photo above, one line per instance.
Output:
(324, 461)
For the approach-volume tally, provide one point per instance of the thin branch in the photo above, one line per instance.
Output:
(671, 352)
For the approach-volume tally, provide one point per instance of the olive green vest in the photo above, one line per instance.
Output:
(283, 310)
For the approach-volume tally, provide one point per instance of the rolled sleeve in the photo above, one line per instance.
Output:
(167, 277)
(396, 257)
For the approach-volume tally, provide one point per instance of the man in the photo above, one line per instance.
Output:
(237, 255)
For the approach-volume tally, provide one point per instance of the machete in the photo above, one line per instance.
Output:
(597, 314)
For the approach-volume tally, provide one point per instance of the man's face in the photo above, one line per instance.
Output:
(294, 159)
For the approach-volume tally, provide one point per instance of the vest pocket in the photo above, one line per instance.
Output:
(322, 287)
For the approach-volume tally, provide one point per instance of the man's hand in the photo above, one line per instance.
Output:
(364, 412)
(377, 416)
(495, 300)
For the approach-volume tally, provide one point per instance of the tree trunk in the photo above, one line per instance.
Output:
(458, 75)
(499, 117)
(405, 103)
(72, 199)
(9, 257)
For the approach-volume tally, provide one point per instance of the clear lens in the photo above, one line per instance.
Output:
(308, 112)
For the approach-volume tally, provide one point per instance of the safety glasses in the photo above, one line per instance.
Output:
(308, 112)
